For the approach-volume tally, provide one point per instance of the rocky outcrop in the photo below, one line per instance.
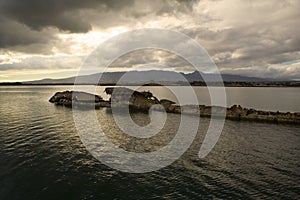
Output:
(142, 101)
(239, 113)
(121, 96)
(236, 112)
(79, 99)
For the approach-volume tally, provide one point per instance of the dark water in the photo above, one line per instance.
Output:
(42, 157)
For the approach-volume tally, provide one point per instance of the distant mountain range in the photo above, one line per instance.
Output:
(153, 76)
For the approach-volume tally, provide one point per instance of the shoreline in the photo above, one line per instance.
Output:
(279, 84)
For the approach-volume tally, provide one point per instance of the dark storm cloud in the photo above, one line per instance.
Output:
(13, 34)
(237, 34)
(23, 21)
(64, 14)
(27, 22)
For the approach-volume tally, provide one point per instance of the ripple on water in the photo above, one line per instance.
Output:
(42, 157)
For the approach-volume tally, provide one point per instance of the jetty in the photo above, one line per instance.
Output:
(143, 101)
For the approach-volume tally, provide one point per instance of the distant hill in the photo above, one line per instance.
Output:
(153, 76)
(196, 76)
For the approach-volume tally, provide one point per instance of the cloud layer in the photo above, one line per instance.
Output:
(255, 38)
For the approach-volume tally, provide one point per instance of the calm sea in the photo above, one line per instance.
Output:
(42, 157)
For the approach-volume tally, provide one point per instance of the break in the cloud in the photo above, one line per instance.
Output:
(256, 38)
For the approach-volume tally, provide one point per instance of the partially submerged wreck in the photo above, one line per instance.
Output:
(142, 101)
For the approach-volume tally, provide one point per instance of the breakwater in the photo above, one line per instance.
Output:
(142, 101)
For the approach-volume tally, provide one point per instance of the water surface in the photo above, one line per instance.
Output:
(42, 156)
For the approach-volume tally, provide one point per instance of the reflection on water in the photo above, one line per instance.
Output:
(133, 144)
(42, 156)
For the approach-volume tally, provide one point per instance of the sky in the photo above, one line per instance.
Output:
(52, 39)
